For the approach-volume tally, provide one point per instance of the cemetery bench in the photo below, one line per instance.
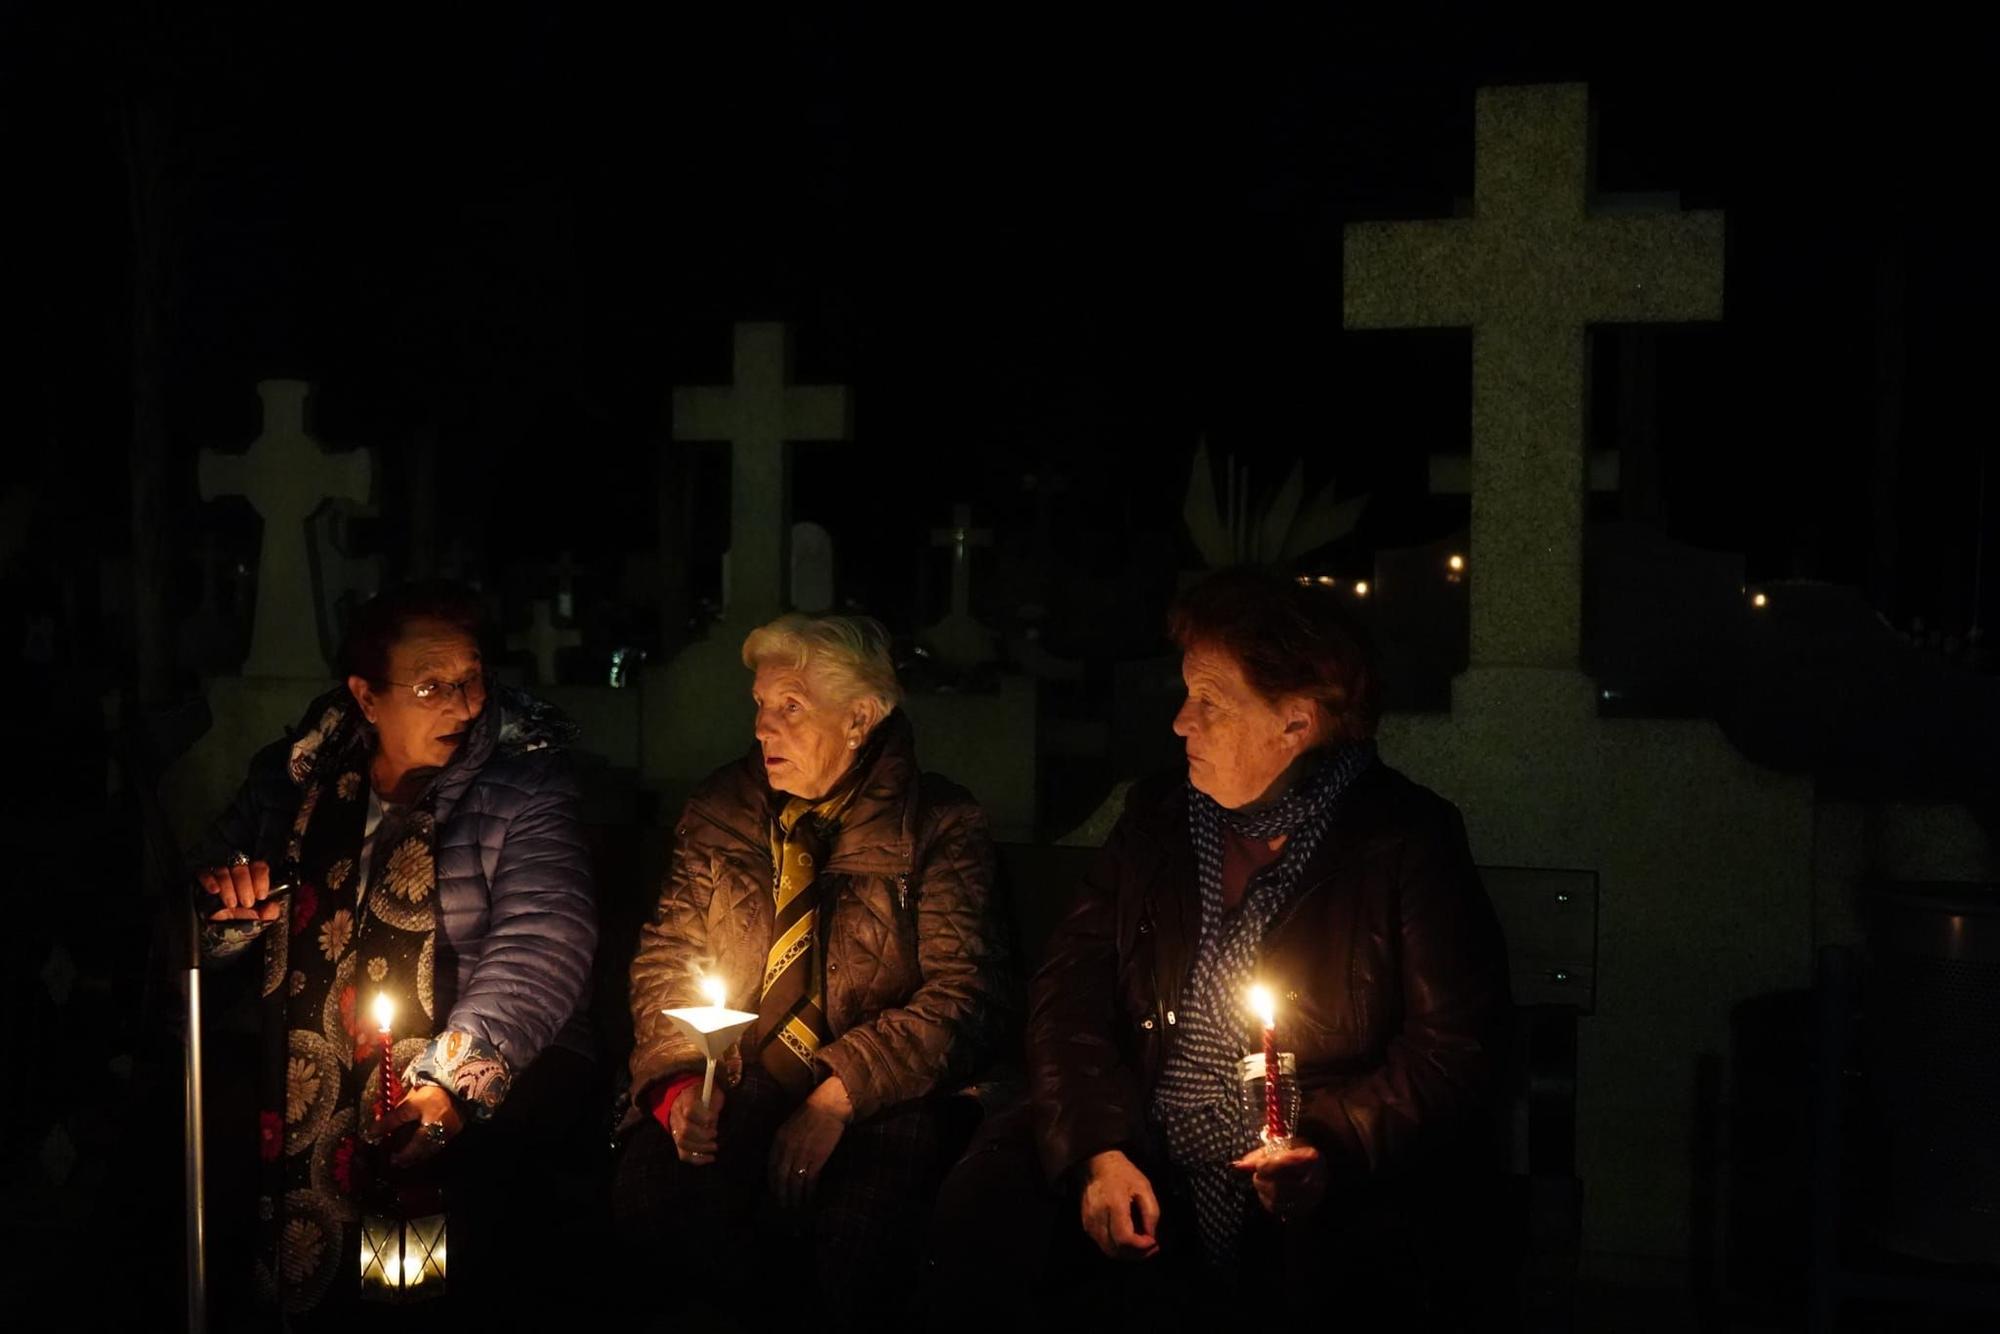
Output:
(1549, 917)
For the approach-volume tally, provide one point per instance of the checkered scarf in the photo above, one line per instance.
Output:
(1198, 1103)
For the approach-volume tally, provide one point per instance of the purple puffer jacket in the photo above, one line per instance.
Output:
(517, 918)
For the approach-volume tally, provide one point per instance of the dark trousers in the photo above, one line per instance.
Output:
(523, 1208)
(523, 1198)
(1006, 1251)
(741, 1260)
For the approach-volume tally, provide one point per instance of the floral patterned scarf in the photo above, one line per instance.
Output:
(325, 960)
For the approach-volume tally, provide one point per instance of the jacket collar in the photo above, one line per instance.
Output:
(877, 835)
(1166, 865)
(512, 723)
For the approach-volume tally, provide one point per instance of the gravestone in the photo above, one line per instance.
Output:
(345, 573)
(759, 415)
(988, 742)
(697, 711)
(1663, 622)
(1527, 273)
(812, 568)
(285, 476)
(1416, 611)
(959, 640)
(208, 641)
(1703, 859)
(565, 571)
(543, 641)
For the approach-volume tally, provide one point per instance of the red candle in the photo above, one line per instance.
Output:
(390, 1091)
(1274, 1116)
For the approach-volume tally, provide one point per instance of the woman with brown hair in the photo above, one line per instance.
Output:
(416, 838)
(1284, 854)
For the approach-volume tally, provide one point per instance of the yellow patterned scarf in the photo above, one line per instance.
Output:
(791, 1015)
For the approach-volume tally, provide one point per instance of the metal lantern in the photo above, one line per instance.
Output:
(402, 1257)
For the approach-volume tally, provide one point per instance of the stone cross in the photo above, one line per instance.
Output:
(285, 476)
(1451, 474)
(812, 568)
(758, 414)
(543, 640)
(1528, 272)
(959, 639)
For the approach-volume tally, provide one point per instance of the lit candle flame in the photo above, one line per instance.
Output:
(1265, 1005)
(713, 988)
(385, 1011)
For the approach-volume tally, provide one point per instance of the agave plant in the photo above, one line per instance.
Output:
(1231, 529)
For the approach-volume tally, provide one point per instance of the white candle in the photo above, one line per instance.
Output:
(713, 988)
(711, 1027)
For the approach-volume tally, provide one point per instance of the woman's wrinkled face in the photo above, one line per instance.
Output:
(435, 687)
(804, 735)
(1238, 743)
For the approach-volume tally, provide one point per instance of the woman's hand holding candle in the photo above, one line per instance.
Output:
(429, 1105)
(1289, 1182)
(694, 1120)
(694, 1125)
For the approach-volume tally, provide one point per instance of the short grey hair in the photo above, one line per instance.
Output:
(847, 655)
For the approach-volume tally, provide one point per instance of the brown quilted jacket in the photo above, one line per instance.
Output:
(918, 983)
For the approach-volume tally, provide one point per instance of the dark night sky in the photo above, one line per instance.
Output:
(1046, 245)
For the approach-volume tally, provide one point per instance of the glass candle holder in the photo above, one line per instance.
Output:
(1256, 1102)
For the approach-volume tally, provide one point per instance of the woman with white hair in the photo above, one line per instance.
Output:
(846, 898)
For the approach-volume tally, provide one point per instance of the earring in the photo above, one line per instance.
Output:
(851, 743)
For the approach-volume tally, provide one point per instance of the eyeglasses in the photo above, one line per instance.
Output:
(437, 694)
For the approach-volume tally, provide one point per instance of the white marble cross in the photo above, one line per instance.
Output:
(759, 414)
(543, 640)
(1527, 273)
(285, 476)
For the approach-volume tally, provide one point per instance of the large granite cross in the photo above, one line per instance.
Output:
(1528, 272)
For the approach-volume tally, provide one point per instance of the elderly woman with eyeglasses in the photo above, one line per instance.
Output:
(415, 842)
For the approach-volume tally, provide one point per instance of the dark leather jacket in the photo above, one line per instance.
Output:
(1388, 965)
